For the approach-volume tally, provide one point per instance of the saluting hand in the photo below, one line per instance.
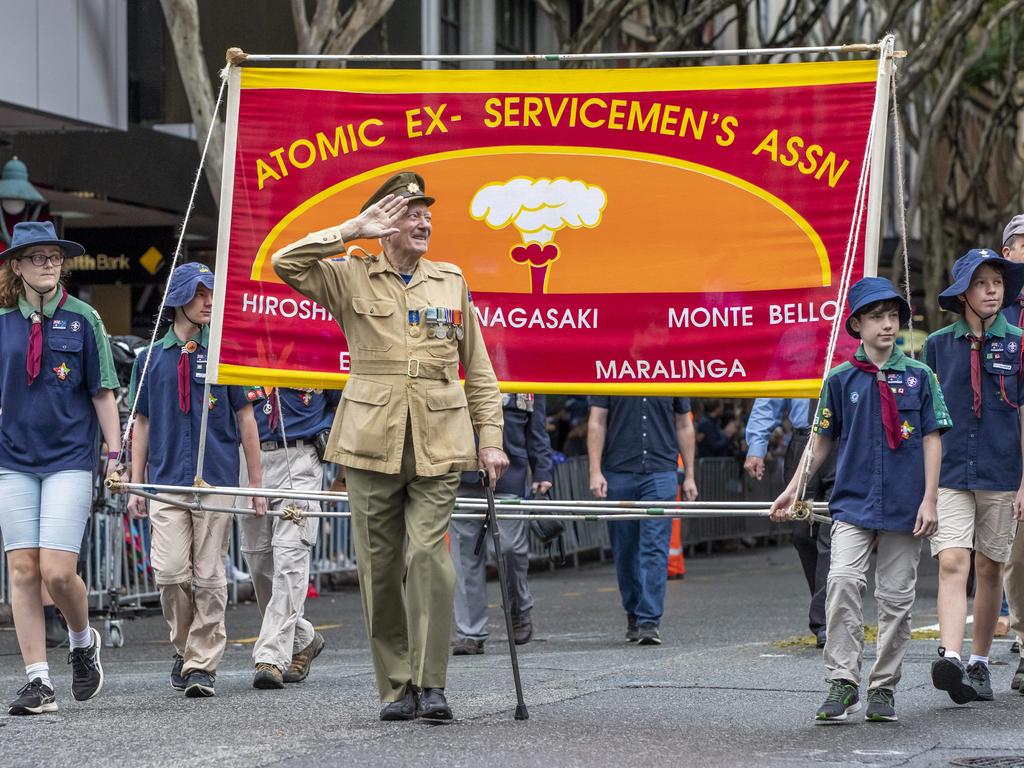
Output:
(376, 221)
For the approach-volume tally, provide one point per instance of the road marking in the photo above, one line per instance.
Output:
(571, 594)
(935, 627)
(608, 589)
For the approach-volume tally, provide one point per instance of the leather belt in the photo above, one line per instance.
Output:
(276, 445)
(414, 368)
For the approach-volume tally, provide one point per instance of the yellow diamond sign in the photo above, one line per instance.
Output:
(152, 260)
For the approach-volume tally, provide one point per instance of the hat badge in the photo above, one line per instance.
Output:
(414, 188)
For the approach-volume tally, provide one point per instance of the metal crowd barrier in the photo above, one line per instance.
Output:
(116, 569)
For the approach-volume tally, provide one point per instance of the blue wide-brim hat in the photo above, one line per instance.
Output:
(964, 269)
(29, 233)
(867, 291)
(184, 281)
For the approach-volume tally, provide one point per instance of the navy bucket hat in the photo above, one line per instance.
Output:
(184, 281)
(869, 290)
(964, 269)
(29, 233)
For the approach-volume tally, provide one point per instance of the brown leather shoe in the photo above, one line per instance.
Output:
(467, 646)
(267, 677)
(298, 670)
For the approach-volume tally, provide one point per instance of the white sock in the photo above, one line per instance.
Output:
(81, 639)
(40, 670)
(975, 659)
(953, 655)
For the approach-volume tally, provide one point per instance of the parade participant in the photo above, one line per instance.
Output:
(1013, 249)
(276, 550)
(57, 382)
(885, 411)
(633, 444)
(404, 429)
(811, 541)
(978, 361)
(188, 548)
(529, 450)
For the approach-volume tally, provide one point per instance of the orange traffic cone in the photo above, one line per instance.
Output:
(676, 561)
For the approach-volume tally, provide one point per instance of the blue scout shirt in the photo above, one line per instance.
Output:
(526, 442)
(876, 487)
(641, 433)
(52, 426)
(980, 454)
(306, 412)
(1014, 313)
(173, 435)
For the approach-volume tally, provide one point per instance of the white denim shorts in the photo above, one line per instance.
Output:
(44, 511)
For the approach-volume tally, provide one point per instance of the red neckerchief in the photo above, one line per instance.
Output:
(890, 413)
(34, 358)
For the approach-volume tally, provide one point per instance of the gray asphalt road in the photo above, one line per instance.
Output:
(721, 691)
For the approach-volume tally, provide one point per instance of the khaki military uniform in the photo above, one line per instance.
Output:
(404, 430)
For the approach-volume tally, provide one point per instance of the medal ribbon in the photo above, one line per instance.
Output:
(34, 358)
(890, 413)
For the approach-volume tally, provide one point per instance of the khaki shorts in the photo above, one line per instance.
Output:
(978, 520)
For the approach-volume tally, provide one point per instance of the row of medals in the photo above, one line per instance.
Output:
(437, 323)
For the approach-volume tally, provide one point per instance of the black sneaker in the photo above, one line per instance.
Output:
(981, 679)
(1015, 647)
(403, 709)
(881, 706)
(819, 638)
(843, 698)
(178, 681)
(648, 634)
(950, 676)
(34, 698)
(199, 685)
(86, 670)
(433, 705)
(1018, 676)
(632, 632)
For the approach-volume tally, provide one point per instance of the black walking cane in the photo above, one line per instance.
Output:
(492, 521)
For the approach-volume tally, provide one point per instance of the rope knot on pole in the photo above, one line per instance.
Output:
(801, 511)
(294, 514)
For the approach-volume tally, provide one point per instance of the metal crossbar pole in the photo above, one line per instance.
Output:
(553, 57)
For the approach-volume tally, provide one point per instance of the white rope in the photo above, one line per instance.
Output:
(901, 209)
(174, 260)
(846, 273)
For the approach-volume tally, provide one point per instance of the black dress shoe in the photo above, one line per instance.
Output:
(820, 639)
(403, 709)
(433, 705)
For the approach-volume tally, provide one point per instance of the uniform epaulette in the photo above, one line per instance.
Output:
(844, 366)
(444, 266)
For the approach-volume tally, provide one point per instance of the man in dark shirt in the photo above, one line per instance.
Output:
(633, 444)
(712, 438)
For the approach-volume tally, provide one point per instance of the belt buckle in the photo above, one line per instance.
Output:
(413, 371)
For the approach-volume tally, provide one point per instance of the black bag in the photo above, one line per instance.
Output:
(320, 443)
(550, 532)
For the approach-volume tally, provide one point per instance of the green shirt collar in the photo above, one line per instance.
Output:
(48, 308)
(170, 339)
(997, 329)
(897, 360)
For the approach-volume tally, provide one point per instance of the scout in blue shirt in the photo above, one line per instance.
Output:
(187, 548)
(978, 362)
(293, 426)
(884, 412)
(56, 383)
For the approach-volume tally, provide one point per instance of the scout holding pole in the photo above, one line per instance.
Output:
(491, 521)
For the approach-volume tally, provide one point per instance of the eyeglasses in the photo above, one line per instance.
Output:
(39, 259)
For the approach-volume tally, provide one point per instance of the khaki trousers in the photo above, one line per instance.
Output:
(277, 554)
(187, 550)
(406, 590)
(1013, 583)
(895, 581)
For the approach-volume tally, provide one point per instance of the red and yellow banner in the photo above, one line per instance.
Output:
(632, 231)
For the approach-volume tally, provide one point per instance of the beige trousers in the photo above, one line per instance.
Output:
(1013, 583)
(895, 581)
(407, 589)
(277, 554)
(187, 550)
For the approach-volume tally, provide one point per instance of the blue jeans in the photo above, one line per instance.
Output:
(640, 547)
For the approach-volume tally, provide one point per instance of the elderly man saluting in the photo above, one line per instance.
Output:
(404, 429)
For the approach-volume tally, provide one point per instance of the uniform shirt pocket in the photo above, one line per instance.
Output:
(376, 331)
(364, 418)
(909, 405)
(64, 360)
(1005, 373)
(449, 429)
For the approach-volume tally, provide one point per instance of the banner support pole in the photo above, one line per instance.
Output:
(876, 174)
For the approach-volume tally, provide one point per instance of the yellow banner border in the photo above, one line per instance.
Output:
(626, 79)
(245, 375)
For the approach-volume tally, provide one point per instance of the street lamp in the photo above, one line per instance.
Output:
(16, 193)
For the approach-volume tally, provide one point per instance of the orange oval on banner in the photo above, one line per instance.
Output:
(725, 233)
